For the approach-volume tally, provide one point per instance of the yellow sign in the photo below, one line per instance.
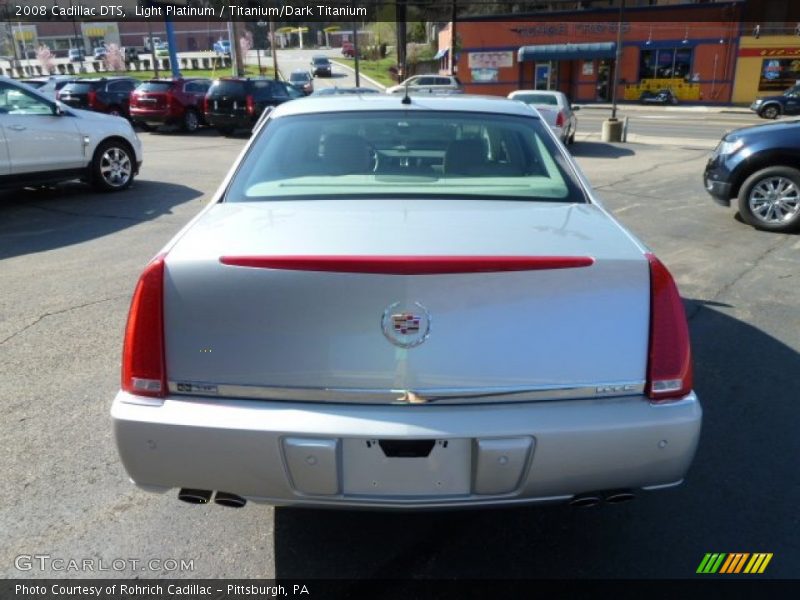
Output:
(95, 32)
(23, 36)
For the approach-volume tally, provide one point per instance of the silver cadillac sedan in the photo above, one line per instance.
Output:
(405, 303)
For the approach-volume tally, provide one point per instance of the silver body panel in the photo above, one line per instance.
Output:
(281, 382)
(576, 446)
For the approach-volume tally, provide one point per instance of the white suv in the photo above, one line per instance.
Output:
(42, 141)
(429, 84)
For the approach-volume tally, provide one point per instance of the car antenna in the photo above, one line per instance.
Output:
(406, 99)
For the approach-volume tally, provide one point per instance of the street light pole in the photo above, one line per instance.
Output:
(612, 128)
(618, 62)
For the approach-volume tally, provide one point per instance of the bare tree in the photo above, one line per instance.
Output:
(115, 58)
(46, 59)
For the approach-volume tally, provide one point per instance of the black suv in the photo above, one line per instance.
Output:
(237, 102)
(320, 66)
(760, 166)
(771, 107)
(109, 95)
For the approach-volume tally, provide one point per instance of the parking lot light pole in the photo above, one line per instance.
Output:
(612, 128)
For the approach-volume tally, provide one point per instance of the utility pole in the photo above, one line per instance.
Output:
(355, 52)
(274, 49)
(152, 49)
(612, 128)
(453, 38)
(400, 18)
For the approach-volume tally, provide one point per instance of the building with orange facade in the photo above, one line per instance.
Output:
(691, 49)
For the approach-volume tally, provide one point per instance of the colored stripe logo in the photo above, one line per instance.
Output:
(734, 563)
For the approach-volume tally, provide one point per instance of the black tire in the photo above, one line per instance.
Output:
(116, 111)
(770, 111)
(226, 131)
(143, 126)
(759, 209)
(191, 121)
(113, 166)
(571, 139)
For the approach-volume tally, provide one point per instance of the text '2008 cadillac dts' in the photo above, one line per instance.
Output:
(405, 303)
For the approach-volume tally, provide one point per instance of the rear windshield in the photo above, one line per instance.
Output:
(299, 77)
(547, 99)
(397, 154)
(79, 88)
(226, 88)
(155, 86)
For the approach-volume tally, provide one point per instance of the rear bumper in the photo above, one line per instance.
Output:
(311, 454)
(153, 116)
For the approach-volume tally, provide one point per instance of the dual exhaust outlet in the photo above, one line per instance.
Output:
(204, 497)
(593, 499)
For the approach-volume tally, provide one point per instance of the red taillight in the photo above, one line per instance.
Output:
(251, 105)
(669, 368)
(143, 369)
(92, 99)
(560, 119)
(204, 105)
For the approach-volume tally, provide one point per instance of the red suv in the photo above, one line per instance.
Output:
(170, 102)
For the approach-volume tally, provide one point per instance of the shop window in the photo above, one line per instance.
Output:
(665, 63)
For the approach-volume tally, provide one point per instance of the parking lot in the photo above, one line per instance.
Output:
(69, 259)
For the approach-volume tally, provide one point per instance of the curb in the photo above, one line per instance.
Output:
(651, 140)
(380, 86)
(673, 109)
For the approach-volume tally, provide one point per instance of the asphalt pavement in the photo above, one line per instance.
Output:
(69, 260)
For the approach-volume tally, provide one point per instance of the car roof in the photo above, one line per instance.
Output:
(384, 102)
(319, 56)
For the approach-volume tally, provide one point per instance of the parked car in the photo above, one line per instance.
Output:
(47, 142)
(170, 102)
(555, 108)
(663, 97)
(428, 84)
(131, 53)
(99, 53)
(302, 81)
(771, 107)
(332, 91)
(281, 347)
(76, 54)
(105, 94)
(760, 167)
(349, 50)
(321, 66)
(222, 47)
(49, 86)
(236, 102)
(161, 50)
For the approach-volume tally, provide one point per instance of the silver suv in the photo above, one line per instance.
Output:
(429, 84)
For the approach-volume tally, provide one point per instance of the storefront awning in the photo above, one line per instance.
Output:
(441, 54)
(567, 51)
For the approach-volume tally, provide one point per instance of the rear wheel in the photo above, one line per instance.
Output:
(770, 199)
(112, 166)
(191, 121)
(770, 111)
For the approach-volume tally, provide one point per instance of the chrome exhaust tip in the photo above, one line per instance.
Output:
(620, 497)
(194, 496)
(231, 500)
(585, 501)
